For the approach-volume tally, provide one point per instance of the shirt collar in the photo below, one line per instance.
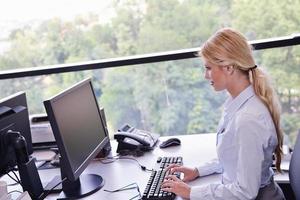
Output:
(233, 104)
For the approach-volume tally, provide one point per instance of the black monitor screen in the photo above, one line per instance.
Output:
(77, 126)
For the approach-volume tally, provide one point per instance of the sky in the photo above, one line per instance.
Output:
(17, 13)
(24, 10)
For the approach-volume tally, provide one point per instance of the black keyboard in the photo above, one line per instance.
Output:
(153, 190)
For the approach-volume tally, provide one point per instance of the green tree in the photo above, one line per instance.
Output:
(164, 93)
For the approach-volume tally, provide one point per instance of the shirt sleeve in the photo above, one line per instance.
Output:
(210, 167)
(250, 158)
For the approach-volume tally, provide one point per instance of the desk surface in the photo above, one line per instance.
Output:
(195, 150)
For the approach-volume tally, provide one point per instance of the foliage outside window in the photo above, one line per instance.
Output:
(167, 97)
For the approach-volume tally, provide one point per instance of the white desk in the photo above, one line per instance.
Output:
(195, 150)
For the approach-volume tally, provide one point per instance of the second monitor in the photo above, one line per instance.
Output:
(80, 134)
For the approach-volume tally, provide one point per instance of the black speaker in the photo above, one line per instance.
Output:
(105, 151)
(107, 148)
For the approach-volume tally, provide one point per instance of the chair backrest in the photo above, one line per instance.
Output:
(294, 169)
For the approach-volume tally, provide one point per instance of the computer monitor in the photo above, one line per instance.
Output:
(80, 134)
(15, 102)
(13, 145)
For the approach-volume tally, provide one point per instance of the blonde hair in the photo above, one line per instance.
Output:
(229, 47)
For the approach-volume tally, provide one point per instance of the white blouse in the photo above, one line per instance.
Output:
(246, 140)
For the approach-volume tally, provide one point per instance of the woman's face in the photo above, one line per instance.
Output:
(216, 75)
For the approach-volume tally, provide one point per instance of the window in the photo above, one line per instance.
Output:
(167, 97)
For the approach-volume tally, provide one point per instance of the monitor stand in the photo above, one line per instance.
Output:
(85, 185)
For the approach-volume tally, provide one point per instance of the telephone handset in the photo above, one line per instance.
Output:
(130, 138)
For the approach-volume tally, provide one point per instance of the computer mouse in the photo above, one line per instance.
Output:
(170, 142)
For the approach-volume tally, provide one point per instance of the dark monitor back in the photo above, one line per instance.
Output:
(21, 124)
(7, 154)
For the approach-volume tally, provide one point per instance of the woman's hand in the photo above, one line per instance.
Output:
(189, 174)
(177, 186)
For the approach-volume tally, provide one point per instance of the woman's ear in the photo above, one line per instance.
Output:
(230, 69)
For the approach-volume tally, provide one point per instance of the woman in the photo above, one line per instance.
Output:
(249, 131)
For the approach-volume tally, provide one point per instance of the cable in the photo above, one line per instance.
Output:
(108, 160)
(12, 184)
(118, 157)
(138, 195)
(144, 168)
(12, 178)
(127, 187)
(15, 191)
(43, 195)
(13, 169)
(18, 181)
(16, 176)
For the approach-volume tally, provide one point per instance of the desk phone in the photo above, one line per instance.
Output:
(131, 138)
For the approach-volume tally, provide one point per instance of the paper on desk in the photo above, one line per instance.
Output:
(44, 155)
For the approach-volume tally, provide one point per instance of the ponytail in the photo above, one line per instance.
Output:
(264, 90)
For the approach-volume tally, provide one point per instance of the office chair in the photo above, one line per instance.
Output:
(294, 169)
